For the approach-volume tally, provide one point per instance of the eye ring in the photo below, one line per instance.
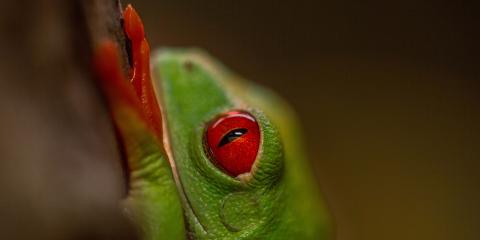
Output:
(232, 141)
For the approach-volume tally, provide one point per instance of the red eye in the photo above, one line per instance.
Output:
(233, 140)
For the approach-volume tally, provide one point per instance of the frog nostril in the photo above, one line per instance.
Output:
(188, 65)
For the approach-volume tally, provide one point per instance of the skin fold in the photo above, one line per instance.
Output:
(176, 191)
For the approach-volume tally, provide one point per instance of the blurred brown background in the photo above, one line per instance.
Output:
(387, 91)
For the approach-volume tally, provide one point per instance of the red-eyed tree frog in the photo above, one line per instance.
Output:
(210, 155)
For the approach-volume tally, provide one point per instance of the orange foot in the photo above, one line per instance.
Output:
(139, 95)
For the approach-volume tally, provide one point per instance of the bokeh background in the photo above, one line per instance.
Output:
(388, 94)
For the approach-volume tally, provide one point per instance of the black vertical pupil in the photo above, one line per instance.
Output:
(232, 135)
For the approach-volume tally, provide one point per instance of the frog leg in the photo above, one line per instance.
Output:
(152, 200)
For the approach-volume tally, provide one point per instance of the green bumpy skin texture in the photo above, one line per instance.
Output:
(278, 200)
(153, 201)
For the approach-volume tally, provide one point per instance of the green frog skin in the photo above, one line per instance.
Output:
(209, 154)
